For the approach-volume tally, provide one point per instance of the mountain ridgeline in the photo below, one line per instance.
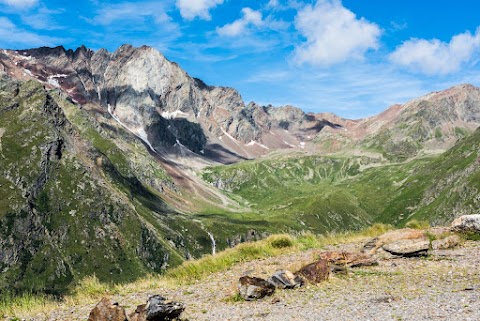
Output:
(121, 164)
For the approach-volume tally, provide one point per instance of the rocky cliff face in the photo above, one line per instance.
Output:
(157, 101)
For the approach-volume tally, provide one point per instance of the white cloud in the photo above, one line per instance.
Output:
(13, 37)
(250, 17)
(435, 56)
(20, 3)
(333, 33)
(131, 11)
(273, 4)
(190, 9)
(121, 23)
(283, 5)
(43, 19)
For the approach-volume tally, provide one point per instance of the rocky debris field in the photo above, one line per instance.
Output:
(442, 285)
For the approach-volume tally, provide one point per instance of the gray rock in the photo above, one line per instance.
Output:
(285, 279)
(408, 248)
(252, 288)
(373, 245)
(158, 309)
(467, 223)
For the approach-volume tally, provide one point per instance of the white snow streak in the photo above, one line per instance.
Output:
(140, 133)
(252, 143)
(174, 114)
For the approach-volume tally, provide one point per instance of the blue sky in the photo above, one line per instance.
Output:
(352, 57)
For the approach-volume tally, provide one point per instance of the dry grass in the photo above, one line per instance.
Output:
(90, 289)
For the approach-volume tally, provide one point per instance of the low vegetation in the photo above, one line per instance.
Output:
(90, 289)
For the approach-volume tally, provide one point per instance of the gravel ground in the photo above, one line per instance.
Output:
(444, 286)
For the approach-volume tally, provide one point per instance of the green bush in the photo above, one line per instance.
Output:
(281, 241)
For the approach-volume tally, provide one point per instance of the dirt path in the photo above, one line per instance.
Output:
(444, 286)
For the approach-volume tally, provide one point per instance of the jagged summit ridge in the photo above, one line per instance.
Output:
(144, 89)
(171, 112)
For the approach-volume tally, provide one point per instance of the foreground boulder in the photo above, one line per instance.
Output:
(160, 310)
(157, 309)
(105, 310)
(252, 288)
(284, 279)
(315, 272)
(408, 248)
(467, 223)
(348, 259)
(393, 236)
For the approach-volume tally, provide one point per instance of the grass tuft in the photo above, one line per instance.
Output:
(33, 304)
(470, 236)
(281, 241)
(91, 287)
(377, 229)
(234, 298)
(418, 225)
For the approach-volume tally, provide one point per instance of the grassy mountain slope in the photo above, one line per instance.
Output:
(59, 218)
(333, 193)
(76, 202)
(446, 187)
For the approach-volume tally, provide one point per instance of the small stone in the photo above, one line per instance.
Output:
(253, 288)
(446, 243)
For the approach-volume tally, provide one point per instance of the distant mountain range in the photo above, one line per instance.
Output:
(117, 164)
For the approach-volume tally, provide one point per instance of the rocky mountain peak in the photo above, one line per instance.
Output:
(146, 93)
(159, 102)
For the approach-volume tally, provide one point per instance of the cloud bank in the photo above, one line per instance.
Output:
(190, 9)
(435, 57)
(333, 34)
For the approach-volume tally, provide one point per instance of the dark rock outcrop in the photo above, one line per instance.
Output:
(316, 272)
(159, 309)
